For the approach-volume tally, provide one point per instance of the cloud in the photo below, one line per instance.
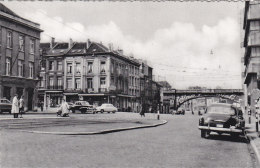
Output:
(208, 56)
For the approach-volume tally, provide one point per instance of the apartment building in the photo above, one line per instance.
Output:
(90, 71)
(251, 43)
(19, 57)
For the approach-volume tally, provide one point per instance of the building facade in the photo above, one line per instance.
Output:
(90, 71)
(19, 57)
(251, 43)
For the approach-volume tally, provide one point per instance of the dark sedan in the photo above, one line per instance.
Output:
(222, 118)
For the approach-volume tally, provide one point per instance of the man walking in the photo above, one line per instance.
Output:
(21, 106)
(15, 106)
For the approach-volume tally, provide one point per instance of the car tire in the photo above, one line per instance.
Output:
(113, 112)
(203, 134)
(102, 111)
(108, 112)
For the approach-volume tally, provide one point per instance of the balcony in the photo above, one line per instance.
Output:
(102, 90)
(55, 87)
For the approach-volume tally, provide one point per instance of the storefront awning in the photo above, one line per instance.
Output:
(92, 94)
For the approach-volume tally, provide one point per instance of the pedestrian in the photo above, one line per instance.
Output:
(142, 112)
(64, 108)
(41, 105)
(21, 106)
(192, 112)
(15, 106)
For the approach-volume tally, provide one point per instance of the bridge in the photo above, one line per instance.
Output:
(179, 97)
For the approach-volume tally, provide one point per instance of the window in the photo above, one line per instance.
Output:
(112, 67)
(9, 39)
(255, 51)
(42, 83)
(90, 67)
(32, 46)
(31, 69)
(59, 81)
(89, 83)
(59, 65)
(21, 43)
(69, 83)
(7, 66)
(254, 25)
(51, 66)
(51, 82)
(77, 83)
(102, 81)
(20, 68)
(78, 68)
(102, 67)
(69, 68)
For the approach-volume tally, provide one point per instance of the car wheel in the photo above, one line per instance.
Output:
(108, 112)
(113, 112)
(73, 111)
(102, 111)
(203, 134)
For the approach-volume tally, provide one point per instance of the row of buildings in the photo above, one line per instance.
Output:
(49, 72)
(95, 73)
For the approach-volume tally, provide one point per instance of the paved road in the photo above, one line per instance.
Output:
(176, 144)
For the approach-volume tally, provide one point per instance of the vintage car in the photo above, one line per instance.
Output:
(180, 111)
(5, 105)
(222, 118)
(106, 108)
(82, 106)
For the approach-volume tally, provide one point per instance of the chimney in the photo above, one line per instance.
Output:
(120, 51)
(88, 43)
(70, 43)
(110, 46)
(52, 42)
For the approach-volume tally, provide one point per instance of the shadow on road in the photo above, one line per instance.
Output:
(226, 137)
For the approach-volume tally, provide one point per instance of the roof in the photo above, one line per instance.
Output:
(7, 10)
(78, 48)
(96, 47)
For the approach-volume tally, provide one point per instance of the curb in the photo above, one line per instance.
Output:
(98, 132)
(252, 143)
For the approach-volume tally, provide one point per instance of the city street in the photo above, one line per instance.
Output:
(175, 144)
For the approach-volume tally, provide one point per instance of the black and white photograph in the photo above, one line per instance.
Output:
(130, 84)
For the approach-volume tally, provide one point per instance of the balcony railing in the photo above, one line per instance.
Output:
(102, 90)
(55, 87)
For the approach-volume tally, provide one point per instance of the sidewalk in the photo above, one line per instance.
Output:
(252, 135)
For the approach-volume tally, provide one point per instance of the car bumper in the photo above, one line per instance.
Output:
(225, 130)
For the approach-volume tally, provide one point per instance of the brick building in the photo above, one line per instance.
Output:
(19, 57)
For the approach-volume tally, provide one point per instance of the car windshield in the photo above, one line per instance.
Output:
(84, 103)
(221, 110)
(5, 101)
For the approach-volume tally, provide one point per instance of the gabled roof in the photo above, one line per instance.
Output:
(97, 47)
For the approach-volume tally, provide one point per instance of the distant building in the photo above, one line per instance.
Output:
(19, 57)
(251, 43)
(90, 71)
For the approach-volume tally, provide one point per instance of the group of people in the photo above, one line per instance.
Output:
(17, 106)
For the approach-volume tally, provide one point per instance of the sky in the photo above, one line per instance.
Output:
(186, 43)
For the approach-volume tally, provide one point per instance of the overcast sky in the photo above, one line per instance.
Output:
(187, 43)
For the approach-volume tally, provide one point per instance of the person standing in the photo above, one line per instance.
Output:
(64, 108)
(21, 106)
(15, 106)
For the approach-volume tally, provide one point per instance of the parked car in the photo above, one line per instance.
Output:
(5, 105)
(82, 106)
(180, 111)
(222, 118)
(106, 108)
